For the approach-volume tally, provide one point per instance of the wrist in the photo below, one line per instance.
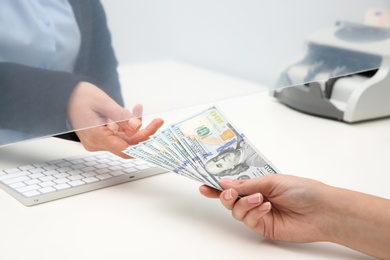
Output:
(358, 221)
(336, 212)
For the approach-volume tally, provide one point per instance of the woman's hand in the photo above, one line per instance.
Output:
(279, 207)
(293, 209)
(102, 124)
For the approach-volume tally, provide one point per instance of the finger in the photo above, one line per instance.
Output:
(228, 198)
(115, 145)
(254, 217)
(135, 122)
(138, 111)
(103, 139)
(263, 184)
(131, 122)
(144, 134)
(245, 204)
(114, 127)
(113, 111)
(209, 192)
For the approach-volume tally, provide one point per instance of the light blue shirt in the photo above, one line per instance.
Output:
(39, 33)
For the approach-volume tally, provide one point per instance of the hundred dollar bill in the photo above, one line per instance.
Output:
(219, 149)
(205, 147)
(141, 152)
(155, 149)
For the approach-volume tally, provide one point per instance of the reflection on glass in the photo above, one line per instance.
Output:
(344, 74)
(59, 72)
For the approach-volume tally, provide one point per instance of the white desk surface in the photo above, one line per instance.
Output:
(164, 216)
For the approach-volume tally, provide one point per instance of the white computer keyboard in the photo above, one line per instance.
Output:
(37, 183)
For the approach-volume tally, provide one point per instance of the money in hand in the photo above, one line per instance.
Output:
(204, 147)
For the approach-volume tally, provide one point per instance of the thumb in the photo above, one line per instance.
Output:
(123, 117)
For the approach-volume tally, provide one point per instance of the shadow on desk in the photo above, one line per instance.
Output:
(187, 207)
(325, 250)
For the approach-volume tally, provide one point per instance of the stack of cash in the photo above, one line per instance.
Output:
(204, 147)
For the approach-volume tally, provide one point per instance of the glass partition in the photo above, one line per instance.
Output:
(72, 65)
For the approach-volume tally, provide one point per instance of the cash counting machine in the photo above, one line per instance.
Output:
(342, 74)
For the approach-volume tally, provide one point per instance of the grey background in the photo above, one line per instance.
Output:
(248, 39)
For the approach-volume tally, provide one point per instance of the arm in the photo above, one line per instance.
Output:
(40, 102)
(293, 209)
(96, 61)
(360, 221)
(34, 100)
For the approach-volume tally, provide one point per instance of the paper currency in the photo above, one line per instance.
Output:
(205, 147)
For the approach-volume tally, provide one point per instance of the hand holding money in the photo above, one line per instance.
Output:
(205, 147)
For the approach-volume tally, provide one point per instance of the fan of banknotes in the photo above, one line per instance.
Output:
(204, 147)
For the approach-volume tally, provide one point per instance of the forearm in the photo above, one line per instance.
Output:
(34, 100)
(359, 221)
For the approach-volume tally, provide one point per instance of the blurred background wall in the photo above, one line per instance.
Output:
(249, 39)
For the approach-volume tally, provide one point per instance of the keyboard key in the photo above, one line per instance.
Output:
(88, 169)
(51, 167)
(104, 176)
(113, 163)
(50, 172)
(60, 175)
(47, 178)
(100, 166)
(115, 168)
(37, 170)
(76, 161)
(15, 175)
(90, 179)
(64, 164)
(117, 173)
(12, 171)
(130, 170)
(31, 193)
(74, 172)
(142, 167)
(47, 190)
(47, 184)
(89, 174)
(65, 169)
(76, 183)
(139, 162)
(77, 166)
(40, 165)
(128, 165)
(26, 167)
(28, 188)
(62, 186)
(17, 185)
(55, 176)
(62, 180)
(75, 177)
(102, 171)
(36, 175)
(32, 181)
(18, 179)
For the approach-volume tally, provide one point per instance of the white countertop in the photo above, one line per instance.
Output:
(165, 216)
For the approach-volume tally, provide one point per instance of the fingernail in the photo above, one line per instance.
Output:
(265, 206)
(254, 198)
(228, 194)
(135, 123)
